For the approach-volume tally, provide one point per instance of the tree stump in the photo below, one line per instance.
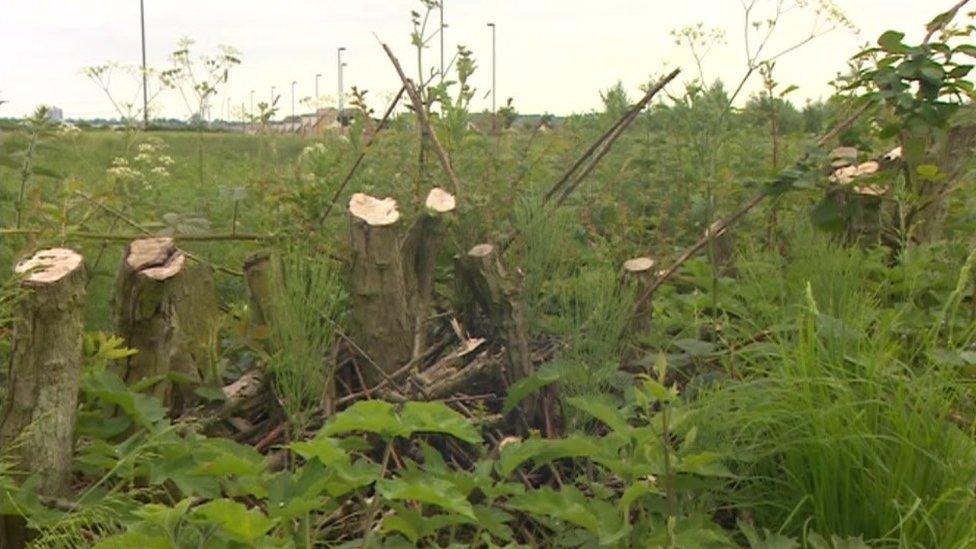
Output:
(257, 277)
(483, 274)
(145, 311)
(724, 248)
(37, 422)
(639, 271)
(198, 318)
(419, 255)
(382, 323)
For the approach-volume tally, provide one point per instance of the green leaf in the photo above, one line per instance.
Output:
(543, 450)
(568, 505)
(107, 386)
(659, 392)
(891, 41)
(436, 417)
(547, 374)
(325, 449)
(371, 416)
(134, 539)
(706, 464)
(424, 489)
(236, 519)
(602, 410)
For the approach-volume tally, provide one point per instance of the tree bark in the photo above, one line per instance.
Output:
(198, 319)
(37, 422)
(482, 272)
(382, 324)
(145, 311)
(257, 276)
(419, 253)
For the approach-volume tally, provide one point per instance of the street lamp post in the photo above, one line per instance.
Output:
(293, 82)
(442, 39)
(493, 75)
(251, 112)
(317, 76)
(145, 85)
(339, 66)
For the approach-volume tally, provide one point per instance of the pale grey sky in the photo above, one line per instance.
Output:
(553, 55)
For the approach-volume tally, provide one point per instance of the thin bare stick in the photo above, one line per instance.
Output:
(735, 216)
(219, 237)
(613, 135)
(421, 110)
(606, 140)
(359, 159)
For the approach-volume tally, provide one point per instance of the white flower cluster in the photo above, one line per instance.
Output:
(120, 169)
(312, 150)
(149, 165)
(68, 130)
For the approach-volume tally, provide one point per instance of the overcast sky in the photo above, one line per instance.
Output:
(553, 55)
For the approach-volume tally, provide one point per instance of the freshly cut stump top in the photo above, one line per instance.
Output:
(156, 258)
(639, 264)
(481, 250)
(374, 211)
(49, 266)
(440, 200)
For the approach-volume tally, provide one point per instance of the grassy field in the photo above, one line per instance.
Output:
(805, 380)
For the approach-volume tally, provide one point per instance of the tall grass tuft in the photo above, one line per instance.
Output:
(308, 306)
(846, 431)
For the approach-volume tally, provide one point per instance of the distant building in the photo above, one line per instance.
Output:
(55, 114)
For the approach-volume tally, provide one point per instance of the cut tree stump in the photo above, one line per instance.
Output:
(640, 272)
(484, 276)
(37, 422)
(382, 323)
(145, 311)
(198, 317)
(419, 255)
(257, 276)
(724, 247)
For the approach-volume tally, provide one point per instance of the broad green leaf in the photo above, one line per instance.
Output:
(891, 41)
(543, 450)
(107, 386)
(708, 464)
(432, 491)
(129, 540)
(325, 449)
(222, 457)
(371, 416)
(236, 519)
(568, 505)
(603, 410)
(436, 417)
